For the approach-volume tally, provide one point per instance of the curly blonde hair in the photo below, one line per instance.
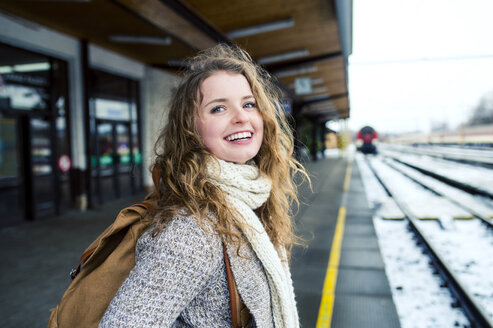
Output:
(181, 155)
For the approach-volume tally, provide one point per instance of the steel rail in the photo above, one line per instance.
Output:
(468, 188)
(488, 222)
(474, 312)
(462, 154)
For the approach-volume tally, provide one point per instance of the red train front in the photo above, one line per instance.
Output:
(366, 140)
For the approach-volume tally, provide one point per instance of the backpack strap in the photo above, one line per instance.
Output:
(74, 272)
(156, 177)
(232, 289)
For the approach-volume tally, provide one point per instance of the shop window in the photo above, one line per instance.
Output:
(33, 135)
(116, 160)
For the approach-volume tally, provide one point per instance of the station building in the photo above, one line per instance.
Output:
(51, 143)
(79, 117)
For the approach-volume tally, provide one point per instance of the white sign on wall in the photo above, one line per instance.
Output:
(112, 109)
(303, 85)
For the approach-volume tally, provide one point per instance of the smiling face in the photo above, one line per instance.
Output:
(228, 120)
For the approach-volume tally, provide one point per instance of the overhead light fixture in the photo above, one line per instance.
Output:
(296, 71)
(314, 82)
(33, 67)
(261, 28)
(6, 69)
(283, 57)
(319, 89)
(317, 97)
(141, 39)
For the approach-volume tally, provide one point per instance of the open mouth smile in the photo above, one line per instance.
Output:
(240, 136)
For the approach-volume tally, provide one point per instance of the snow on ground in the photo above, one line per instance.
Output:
(464, 153)
(478, 177)
(477, 204)
(378, 199)
(466, 247)
(423, 203)
(419, 299)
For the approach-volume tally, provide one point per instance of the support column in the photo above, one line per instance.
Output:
(85, 198)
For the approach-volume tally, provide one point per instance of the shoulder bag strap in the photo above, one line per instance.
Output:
(232, 289)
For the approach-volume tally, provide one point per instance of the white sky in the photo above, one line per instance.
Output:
(419, 62)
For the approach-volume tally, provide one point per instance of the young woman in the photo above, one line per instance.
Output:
(226, 164)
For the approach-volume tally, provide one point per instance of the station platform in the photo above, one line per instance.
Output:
(37, 256)
(354, 287)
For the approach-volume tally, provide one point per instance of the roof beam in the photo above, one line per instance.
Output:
(197, 20)
(331, 97)
(164, 14)
(302, 61)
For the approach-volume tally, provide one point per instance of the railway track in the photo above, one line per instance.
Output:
(467, 300)
(479, 207)
(474, 179)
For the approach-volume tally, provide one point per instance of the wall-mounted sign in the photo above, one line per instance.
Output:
(303, 85)
(112, 109)
(64, 163)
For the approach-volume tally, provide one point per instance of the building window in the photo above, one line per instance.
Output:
(115, 146)
(33, 136)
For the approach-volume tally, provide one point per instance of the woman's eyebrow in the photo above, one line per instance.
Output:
(220, 100)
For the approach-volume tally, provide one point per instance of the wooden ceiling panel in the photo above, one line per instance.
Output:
(315, 26)
(339, 104)
(164, 17)
(278, 42)
(197, 24)
(96, 21)
(233, 14)
(330, 71)
(331, 67)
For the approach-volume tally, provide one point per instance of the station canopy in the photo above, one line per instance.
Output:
(303, 44)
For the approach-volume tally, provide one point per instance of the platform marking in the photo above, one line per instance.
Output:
(328, 292)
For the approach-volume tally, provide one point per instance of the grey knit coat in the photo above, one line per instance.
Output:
(179, 280)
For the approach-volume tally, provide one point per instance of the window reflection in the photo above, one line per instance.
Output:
(40, 147)
(105, 143)
(9, 161)
(112, 109)
(23, 97)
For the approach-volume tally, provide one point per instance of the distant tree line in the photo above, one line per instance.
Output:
(483, 112)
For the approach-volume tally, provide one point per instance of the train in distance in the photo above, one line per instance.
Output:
(366, 140)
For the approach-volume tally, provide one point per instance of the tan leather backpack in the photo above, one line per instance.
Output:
(102, 268)
(107, 262)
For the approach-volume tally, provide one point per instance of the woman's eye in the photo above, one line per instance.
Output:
(217, 109)
(250, 105)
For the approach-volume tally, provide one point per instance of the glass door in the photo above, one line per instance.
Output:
(113, 161)
(124, 163)
(33, 136)
(104, 161)
(27, 180)
(11, 177)
(43, 174)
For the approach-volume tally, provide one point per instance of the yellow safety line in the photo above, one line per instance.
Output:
(328, 292)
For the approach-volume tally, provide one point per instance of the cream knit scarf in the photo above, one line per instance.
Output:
(246, 190)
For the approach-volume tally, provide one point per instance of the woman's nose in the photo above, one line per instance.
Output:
(240, 115)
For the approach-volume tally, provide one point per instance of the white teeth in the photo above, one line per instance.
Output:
(241, 135)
